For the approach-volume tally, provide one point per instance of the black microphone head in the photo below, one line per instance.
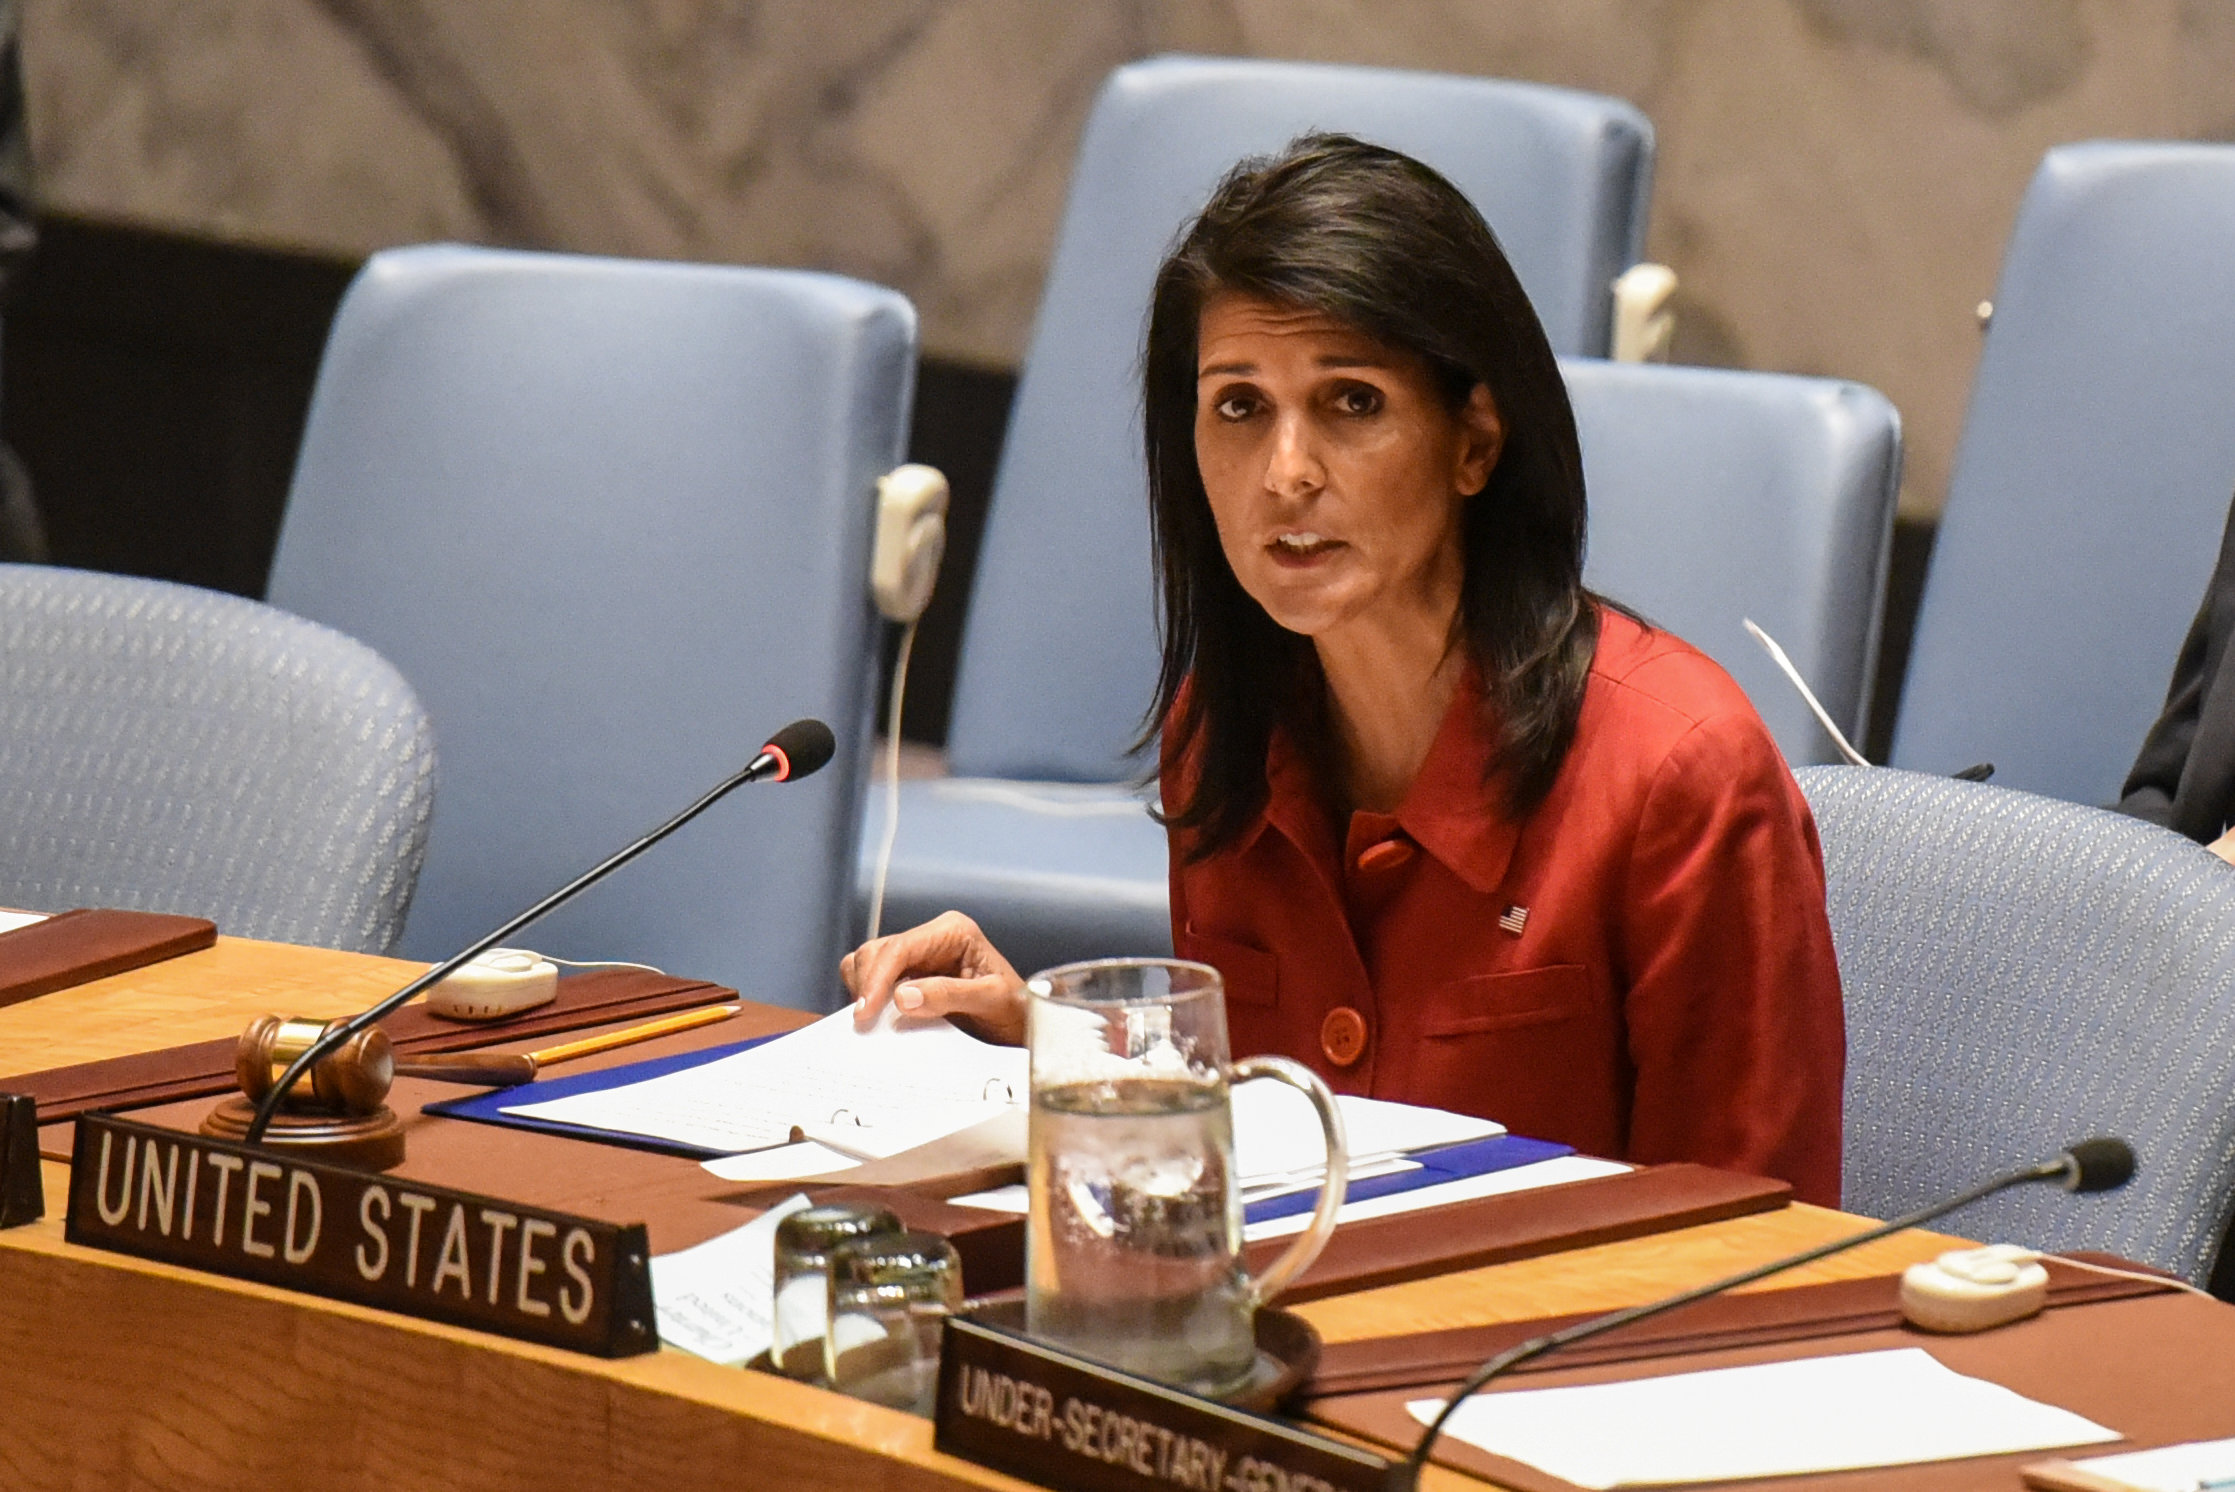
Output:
(2098, 1165)
(805, 748)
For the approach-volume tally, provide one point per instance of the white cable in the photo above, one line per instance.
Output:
(892, 782)
(599, 963)
(1047, 800)
(1777, 656)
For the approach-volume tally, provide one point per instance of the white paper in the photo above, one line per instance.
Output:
(718, 1300)
(1861, 1409)
(1276, 1130)
(915, 1081)
(1267, 1188)
(10, 921)
(2169, 1468)
(1553, 1172)
(781, 1163)
(1014, 1198)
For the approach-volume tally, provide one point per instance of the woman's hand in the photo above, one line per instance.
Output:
(945, 967)
(2224, 846)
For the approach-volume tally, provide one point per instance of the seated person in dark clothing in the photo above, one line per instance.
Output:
(2184, 778)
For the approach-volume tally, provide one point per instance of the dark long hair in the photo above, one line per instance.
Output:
(1378, 241)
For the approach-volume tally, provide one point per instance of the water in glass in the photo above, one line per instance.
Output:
(1136, 1256)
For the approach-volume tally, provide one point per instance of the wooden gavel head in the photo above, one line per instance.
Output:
(353, 1079)
(356, 1077)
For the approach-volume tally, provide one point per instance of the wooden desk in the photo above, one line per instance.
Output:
(118, 1373)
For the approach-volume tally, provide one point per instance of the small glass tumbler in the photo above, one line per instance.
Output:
(890, 1297)
(805, 1240)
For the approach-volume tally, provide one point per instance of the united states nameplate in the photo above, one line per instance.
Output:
(408, 1246)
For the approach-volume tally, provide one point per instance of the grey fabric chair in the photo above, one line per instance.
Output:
(168, 749)
(2021, 973)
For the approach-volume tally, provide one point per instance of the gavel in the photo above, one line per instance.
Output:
(356, 1076)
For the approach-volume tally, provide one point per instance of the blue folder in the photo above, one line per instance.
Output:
(1451, 1163)
(488, 1108)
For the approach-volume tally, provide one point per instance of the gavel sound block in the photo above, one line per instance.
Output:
(338, 1111)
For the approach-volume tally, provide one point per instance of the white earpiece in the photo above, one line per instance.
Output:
(503, 981)
(911, 540)
(1973, 1289)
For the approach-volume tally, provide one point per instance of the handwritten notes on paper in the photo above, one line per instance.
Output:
(718, 1300)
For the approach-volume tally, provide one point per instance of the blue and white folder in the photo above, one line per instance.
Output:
(489, 1107)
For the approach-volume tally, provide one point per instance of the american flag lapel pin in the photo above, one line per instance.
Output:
(1515, 919)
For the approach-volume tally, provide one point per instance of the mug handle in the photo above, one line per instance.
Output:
(1282, 1272)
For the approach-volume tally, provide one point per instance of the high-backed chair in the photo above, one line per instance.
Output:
(1059, 651)
(1719, 496)
(2093, 476)
(613, 520)
(1714, 496)
(2021, 973)
(1059, 648)
(168, 749)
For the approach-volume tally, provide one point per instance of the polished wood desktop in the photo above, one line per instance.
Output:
(118, 1372)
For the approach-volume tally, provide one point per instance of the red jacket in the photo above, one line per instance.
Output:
(1642, 968)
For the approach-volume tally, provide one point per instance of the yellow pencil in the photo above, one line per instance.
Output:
(665, 1026)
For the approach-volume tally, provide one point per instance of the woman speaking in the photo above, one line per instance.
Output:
(1455, 830)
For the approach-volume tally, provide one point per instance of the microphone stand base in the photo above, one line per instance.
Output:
(373, 1142)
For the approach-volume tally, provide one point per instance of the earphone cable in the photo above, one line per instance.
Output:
(891, 834)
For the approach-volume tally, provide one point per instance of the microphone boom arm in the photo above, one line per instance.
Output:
(2066, 1168)
(762, 765)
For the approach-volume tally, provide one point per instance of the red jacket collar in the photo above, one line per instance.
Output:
(1455, 809)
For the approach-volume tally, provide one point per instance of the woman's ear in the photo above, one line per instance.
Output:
(1482, 437)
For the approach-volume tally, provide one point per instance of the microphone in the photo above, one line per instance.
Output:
(2098, 1165)
(800, 749)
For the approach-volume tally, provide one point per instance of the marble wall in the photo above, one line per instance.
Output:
(1836, 176)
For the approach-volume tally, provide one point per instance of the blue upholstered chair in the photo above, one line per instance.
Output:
(2021, 973)
(612, 518)
(1719, 496)
(2093, 476)
(1714, 496)
(1059, 649)
(1059, 652)
(167, 749)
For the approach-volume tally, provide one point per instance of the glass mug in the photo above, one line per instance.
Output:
(1133, 1255)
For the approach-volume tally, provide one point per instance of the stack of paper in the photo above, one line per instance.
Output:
(1409, 1157)
(859, 1094)
(2193, 1467)
(1499, 1182)
(1816, 1414)
(828, 1097)
(1278, 1143)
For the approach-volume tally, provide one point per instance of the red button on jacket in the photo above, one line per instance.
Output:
(1671, 992)
(1342, 1036)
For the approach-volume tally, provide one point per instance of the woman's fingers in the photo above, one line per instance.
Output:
(992, 1004)
(949, 946)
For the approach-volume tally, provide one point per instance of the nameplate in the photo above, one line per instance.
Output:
(1037, 1412)
(374, 1240)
